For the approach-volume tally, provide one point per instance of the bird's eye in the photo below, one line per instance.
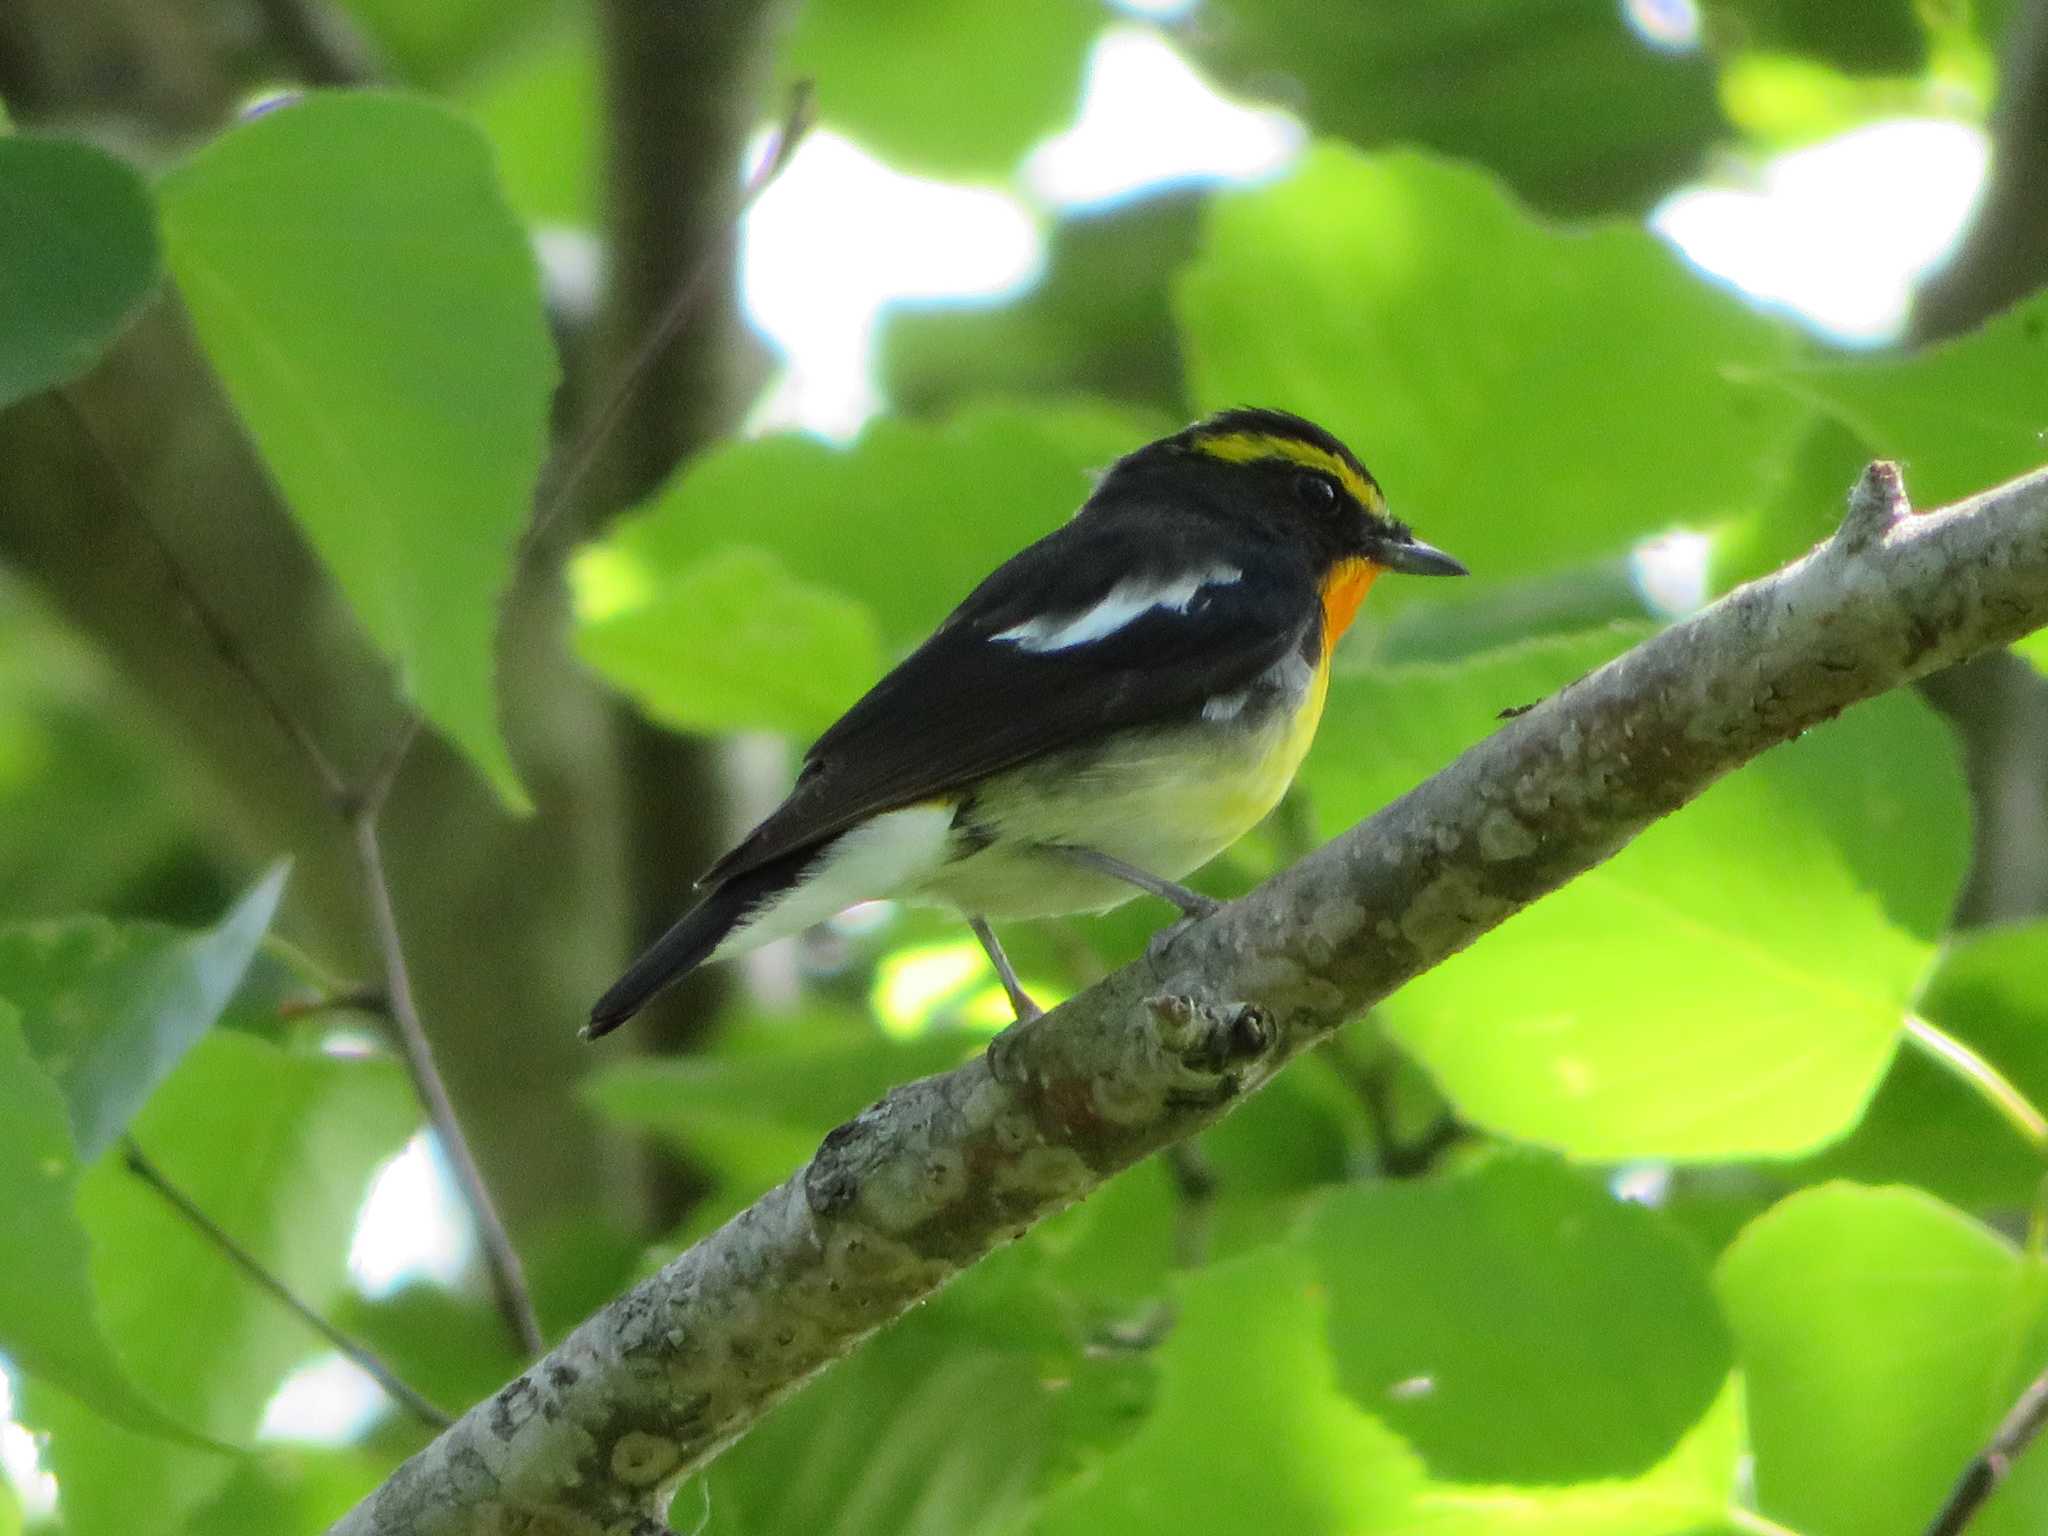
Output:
(1315, 492)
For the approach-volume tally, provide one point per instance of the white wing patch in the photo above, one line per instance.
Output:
(1127, 600)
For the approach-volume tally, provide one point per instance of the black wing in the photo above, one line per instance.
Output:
(965, 704)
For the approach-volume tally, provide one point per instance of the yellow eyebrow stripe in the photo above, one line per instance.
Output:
(1249, 447)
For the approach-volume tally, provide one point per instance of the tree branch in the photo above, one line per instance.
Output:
(2004, 256)
(501, 1258)
(942, 1171)
(1981, 1478)
(320, 42)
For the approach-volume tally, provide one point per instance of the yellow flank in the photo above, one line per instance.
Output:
(1294, 743)
(1250, 447)
(1167, 800)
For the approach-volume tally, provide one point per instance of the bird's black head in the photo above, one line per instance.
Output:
(1287, 474)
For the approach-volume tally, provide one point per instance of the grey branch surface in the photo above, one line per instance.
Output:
(595, 1437)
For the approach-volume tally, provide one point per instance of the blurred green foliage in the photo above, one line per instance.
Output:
(1454, 277)
(1809, 1288)
(382, 337)
(78, 253)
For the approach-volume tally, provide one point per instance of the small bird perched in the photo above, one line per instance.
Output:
(1108, 711)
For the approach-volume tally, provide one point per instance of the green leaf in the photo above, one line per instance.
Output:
(1784, 101)
(1386, 730)
(1882, 1336)
(77, 754)
(731, 642)
(278, 1149)
(47, 1321)
(1929, 1127)
(1961, 417)
(756, 1107)
(440, 40)
(1801, 509)
(542, 109)
(1859, 35)
(1528, 396)
(97, 1015)
(115, 1480)
(1505, 83)
(952, 1421)
(78, 254)
(1600, 1327)
(946, 87)
(374, 310)
(292, 1491)
(2035, 649)
(908, 520)
(1690, 1493)
(110, 1010)
(1731, 984)
(1276, 1156)
(1098, 322)
(1250, 1432)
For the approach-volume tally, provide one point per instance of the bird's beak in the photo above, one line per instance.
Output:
(1415, 558)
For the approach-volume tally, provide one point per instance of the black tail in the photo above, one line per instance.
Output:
(686, 946)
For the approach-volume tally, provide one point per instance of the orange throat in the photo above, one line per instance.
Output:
(1343, 590)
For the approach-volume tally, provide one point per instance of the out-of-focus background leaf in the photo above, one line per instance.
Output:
(1412, 307)
(382, 337)
(1808, 1287)
(78, 253)
(1666, 1210)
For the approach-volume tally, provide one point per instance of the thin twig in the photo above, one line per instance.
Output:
(1373, 1083)
(324, 45)
(1986, 1081)
(1750, 1523)
(797, 121)
(359, 808)
(393, 1384)
(364, 999)
(1194, 1191)
(508, 1278)
(1989, 1467)
(223, 640)
(376, 790)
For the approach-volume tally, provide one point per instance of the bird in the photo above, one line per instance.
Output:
(1106, 712)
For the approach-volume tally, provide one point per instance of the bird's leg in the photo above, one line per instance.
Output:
(1193, 904)
(1020, 1000)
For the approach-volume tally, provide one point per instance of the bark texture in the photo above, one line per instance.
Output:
(595, 1437)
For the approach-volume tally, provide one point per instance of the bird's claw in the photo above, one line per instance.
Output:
(1159, 948)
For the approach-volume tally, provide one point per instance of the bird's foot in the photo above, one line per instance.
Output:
(1194, 906)
(1159, 948)
(1020, 1000)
